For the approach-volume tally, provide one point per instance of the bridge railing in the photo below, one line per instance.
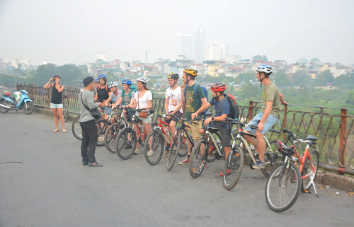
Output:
(334, 128)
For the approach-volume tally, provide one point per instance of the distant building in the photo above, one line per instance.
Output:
(102, 56)
(216, 51)
(198, 45)
(232, 59)
(185, 45)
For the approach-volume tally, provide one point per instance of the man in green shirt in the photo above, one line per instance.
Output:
(268, 116)
(192, 101)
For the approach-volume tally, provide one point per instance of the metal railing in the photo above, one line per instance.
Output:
(334, 131)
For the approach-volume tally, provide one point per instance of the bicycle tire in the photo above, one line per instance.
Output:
(211, 156)
(174, 151)
(270, 159)
(3, 109)
(198, 159)
(234, 163)
(158, 142)
(306, 185)
(29, 109)
(101, 131)
(288, 178)
(183, 147)
(76, 128)
(111, 136)
(122, 142)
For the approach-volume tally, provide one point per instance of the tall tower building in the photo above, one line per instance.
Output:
(198, 45)
(185, 45)
(216, 51)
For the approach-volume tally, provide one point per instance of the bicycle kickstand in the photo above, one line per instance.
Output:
(314, 186)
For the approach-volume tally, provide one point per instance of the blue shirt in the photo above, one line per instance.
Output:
(220, 110)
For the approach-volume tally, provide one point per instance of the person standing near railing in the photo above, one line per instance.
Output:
(56, 102)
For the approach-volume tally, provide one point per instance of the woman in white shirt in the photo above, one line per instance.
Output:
(143, 100)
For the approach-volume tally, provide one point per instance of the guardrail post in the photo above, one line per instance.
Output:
(342, 141)
(250, 111)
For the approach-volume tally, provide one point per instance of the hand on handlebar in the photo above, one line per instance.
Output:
(260, 126)
(194, 115)
(207, 121)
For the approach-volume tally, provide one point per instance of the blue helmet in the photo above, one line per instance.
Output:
(127, 81)
(264, 69)
(97, 79)
(102, 76)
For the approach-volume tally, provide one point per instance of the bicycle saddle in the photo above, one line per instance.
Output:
(213, 130)
(312, 138)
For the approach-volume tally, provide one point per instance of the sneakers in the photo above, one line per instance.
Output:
(128, 146)
(95, 164)
(228, 172)
(150, 153)
(167, 147)
(136, 151)
(259, 165)
(185, 161)
(101, 138)
(165, 154)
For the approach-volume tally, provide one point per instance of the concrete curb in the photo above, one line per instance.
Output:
(340, 182)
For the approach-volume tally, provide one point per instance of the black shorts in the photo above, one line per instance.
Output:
(178, 114)
(224, 132)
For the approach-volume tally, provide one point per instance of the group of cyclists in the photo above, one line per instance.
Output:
(190, 101)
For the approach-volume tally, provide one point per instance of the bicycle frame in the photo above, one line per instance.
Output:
(160, 126)
(302, 160)
(210, 135)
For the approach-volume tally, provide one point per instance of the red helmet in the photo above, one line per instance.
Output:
(218, 87)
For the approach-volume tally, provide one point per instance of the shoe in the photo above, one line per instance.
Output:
(84, 163)
(56, 130)
(228, 172)
(100, 139)
(64, 131)
(211, 149)
(129, 146)
(165, 154)
(167, 147)
(150, 153)
(185, 161)
(259, 165)
(136, 151)
(95, 164)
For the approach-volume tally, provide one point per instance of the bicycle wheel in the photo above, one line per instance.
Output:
(183, 147)
(281, 195)
(212, 154)
(233, 167)
(102, 126)
(271, 159)
(310, 168)
(177, 142)
(28, 108)
(76, 128)
(111, 136)
(157, 146)
(126, 143)
(197, 160)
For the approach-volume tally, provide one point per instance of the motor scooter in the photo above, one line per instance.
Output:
(22, 101)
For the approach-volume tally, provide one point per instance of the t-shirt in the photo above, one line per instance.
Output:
(192, 104)
(143, 100)
(87, 98)
(220, 110)
(115, 97)
(127, 98)
(174, 97)
(271, 93)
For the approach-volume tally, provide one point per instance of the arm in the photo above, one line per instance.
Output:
(282, 99)
(178, 107)
(47, 85)
(119, 101)
(265, 115)
(90, 103)
(132, 103)
(166, 105)
(219, 118)
(106, 103)
(205, 105)
(183, 99)
(61, 88)
(149, 106)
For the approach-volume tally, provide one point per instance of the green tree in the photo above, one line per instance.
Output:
(43, 74)
(246, 77)
(315, 60)
(71, 75)
(324, 78)
(281, 79)
(301, 78)
(350, 99)
(259, 57)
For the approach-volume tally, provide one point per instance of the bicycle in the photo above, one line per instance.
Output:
(201, 157)
(159, 137)
(113, 130)
(127, 139)
(179, 146)
(235, 161)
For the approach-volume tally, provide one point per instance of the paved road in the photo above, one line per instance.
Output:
(44, 184)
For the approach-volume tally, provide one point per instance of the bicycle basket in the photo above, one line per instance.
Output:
(282, 148)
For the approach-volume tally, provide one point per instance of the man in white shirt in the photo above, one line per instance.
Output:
(173, 105)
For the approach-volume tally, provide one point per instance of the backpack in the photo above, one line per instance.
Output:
(205, 91)
(132, 87)
(235, 112)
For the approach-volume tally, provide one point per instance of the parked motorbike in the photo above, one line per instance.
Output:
(20, 101)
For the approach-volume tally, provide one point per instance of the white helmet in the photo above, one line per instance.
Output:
(142, 79)
(264, 69)
(112, 84)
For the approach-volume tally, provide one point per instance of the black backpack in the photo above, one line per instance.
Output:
(235, 111)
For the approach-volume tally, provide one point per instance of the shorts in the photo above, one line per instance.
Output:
(144, 120)
(56, 106)
(194, 129)
(178, 114)
(117, 112)
(270, 122)
(107, 110)
(224, 132)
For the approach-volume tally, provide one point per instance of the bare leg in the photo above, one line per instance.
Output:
(227, 151)
(250, 139)
(261, 145)
(137, 137)
(60, 113)
(55, 115)
(147, 128)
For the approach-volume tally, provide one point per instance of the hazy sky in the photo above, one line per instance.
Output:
(74, 31)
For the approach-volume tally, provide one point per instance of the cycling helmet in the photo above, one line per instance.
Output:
(127, 81)
(142, 79)
(191, 71)
(173, 76)
(112, 84)
(264, 69)
(102, 76)
(218, 87)
(97, 79)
